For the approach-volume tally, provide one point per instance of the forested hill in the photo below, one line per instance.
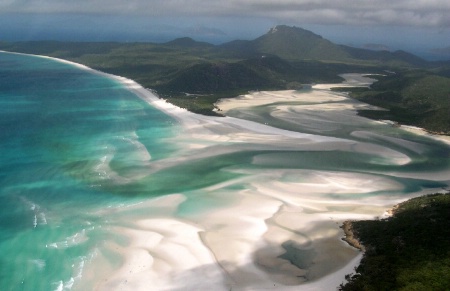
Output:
(408, 251)
(195, 74)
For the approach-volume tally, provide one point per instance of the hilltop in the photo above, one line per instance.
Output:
(195, 75)
(294, 43)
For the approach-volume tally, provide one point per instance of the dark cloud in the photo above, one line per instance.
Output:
(413, 25)
(425, 13)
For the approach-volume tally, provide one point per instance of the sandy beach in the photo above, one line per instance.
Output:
(290, 239)
(273, 225)
(238, 246)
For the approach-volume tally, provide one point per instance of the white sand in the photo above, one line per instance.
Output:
(237, 245)
(421, 131)
(319, 96)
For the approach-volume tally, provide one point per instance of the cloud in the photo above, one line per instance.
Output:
(425, 13)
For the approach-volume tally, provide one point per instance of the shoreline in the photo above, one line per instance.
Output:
(150, 97)
(350, 237)
(250, 229)
(422, 238)
(421, 131)
(131, 85)
(187, 117)
(319, 93)
(260, 98)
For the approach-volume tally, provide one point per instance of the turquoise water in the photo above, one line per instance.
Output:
(76, 146)
(69, 139)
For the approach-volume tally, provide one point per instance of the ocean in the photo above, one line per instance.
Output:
(100, 189)
(70, 140)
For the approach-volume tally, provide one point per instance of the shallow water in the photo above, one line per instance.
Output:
(67, 137)
(100, 190)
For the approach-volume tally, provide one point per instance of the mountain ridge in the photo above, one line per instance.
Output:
(288, 42)
(295, 43)
(195, 75)
(187, 42)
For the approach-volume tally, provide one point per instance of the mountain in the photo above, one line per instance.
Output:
(290, 43)
(396, 58)
(187, 42)
(267, 72)
(208, 78)
(444, 50)
(294, 44)
(194, 74)
(251, 74)
(409, 58)
(376, 47)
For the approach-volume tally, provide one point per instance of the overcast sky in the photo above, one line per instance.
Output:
(410, 23)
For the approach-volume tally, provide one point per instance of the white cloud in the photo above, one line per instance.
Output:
(426, 13)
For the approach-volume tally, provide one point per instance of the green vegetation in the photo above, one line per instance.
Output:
(194, 75)
(414, 97)
(191, 74)
(408, 251)
(199, 86)
(411, 250)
